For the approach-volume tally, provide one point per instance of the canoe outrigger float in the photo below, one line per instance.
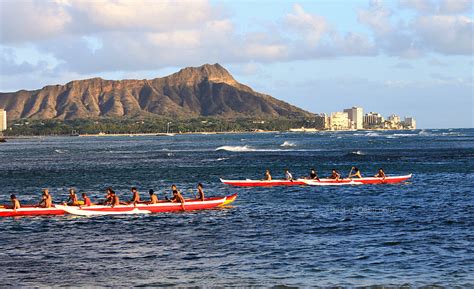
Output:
(160, 207)
(320, 182)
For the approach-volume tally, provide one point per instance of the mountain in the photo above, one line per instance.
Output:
(208, 90)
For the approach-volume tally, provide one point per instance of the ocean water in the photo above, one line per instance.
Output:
(416, 233)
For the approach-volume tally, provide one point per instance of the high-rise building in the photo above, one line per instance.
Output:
(3, 119)
(339, 120)
(373, 119)
(409, 122)
(356, 116)
(394, 118)
(321, 121)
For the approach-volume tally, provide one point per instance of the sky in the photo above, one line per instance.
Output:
(408, 57)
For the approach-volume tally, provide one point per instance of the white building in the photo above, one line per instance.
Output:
(373, 119)
(395, 119)
(409, 122)
(339, 120)
(3, 119)
(356, 116)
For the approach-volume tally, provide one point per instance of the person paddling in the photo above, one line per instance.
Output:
(46, 199)
(380, 174)
(356, 173)
(200, 192)
(313, 175)
(177, 197)
(153, 197)
(115, 199)
(87, 200)
(108, 197)
(72, 200)
(268, 176)
(135, 198)
(288, 175)
(334, 175)
(15, 202)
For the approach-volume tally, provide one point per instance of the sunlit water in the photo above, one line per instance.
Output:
(417, 233)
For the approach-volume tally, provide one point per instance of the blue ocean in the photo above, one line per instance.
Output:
(417, 233)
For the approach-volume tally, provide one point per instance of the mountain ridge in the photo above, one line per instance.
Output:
(207, 90)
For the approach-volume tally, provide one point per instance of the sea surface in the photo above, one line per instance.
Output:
(416, 233)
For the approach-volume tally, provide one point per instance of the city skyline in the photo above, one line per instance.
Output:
(409, 56)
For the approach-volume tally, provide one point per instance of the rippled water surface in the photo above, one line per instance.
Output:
(417, 233)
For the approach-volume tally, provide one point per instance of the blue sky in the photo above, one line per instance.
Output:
(409, 57)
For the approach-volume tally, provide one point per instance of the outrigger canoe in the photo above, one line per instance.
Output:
(358, 181)
(260, 183)
(320, 182)
(161, 207)
(6, 211)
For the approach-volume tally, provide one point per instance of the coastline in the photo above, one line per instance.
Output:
(198, 133)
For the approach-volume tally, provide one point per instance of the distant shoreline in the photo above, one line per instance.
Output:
(197, 133)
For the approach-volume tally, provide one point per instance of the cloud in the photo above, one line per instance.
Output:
(431, 30)
(446, 34)
(313, 26)
(32, 20)
(90, 37)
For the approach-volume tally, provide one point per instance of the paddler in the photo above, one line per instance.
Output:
(135, 197)
(15, 202)
(356, 173)
(108, 196)
(268, 176)
(87, 200)
(200, 192)
(153, 197)
(334, 175)
(177, 197)
(46, 199)
(72, 200)
(313, 175)
(115, 199)
(380, 174)
(288, 175)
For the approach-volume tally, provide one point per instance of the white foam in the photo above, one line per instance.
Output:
(244, 148)
(288, 144)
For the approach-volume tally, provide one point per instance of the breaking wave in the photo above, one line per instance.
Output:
(288, 144)
(244, 148)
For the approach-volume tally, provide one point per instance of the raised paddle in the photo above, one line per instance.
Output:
(349, 176)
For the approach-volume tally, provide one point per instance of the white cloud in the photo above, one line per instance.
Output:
(23, 21)
(446, 33)
(456, 6)
(313, 26)
(377, 17)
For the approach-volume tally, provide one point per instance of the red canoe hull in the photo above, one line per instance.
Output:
(259, 183)
(359, 181)
(161, 207)
(30, 211)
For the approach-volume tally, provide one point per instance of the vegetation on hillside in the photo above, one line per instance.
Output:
(150, 125)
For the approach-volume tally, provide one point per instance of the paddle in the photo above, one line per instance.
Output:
(349, 176)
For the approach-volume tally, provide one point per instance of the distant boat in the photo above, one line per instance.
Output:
(3, 140)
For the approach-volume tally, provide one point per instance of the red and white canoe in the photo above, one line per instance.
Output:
(260, 183)
(30, 211)
(161, 207)
(357, 181)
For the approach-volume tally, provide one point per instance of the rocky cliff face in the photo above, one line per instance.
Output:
(208, 90)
